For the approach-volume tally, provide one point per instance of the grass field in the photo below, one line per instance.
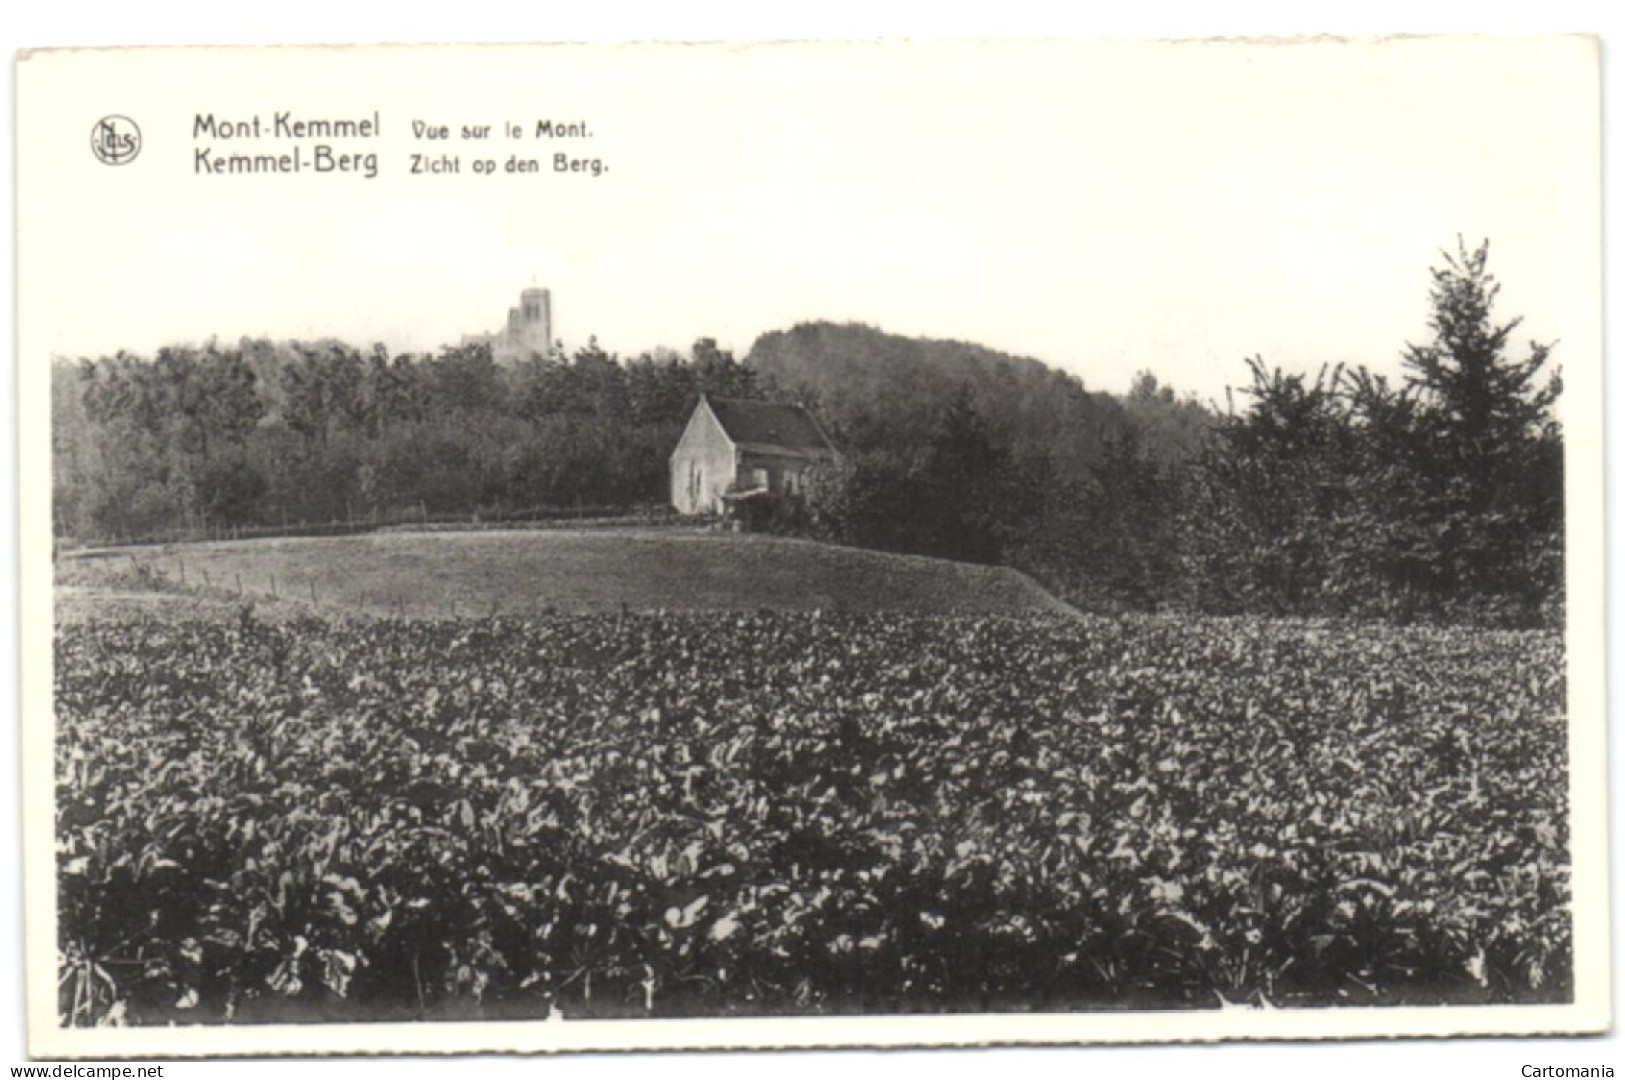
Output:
(532, 572)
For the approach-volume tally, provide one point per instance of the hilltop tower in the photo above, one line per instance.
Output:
(529, 329)
(536, 319)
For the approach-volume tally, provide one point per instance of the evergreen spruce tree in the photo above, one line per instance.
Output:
(1495, 479)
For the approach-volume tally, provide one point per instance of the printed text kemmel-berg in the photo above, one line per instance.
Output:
(317, 157)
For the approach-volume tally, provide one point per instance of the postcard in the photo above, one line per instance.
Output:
(551, 548)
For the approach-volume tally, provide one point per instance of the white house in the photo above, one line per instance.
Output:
(735, 450)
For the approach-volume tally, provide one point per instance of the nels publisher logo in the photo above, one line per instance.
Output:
(115, 140)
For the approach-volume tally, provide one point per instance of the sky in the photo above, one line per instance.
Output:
(1103, 208)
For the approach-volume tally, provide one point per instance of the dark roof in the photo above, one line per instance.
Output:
(769, 428)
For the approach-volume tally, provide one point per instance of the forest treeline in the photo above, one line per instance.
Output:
(1434, 496)
(266, 434)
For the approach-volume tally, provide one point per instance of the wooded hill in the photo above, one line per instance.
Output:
(886, 392)
(882, 392)
(268, 433)
(958, 450)
(1436, 497)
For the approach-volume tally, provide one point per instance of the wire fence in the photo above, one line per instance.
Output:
(418, 520)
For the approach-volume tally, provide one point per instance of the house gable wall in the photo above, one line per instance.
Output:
(704, 465)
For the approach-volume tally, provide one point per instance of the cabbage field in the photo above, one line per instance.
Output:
(802, 813)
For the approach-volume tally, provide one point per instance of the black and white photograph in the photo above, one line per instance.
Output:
(586, 547)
